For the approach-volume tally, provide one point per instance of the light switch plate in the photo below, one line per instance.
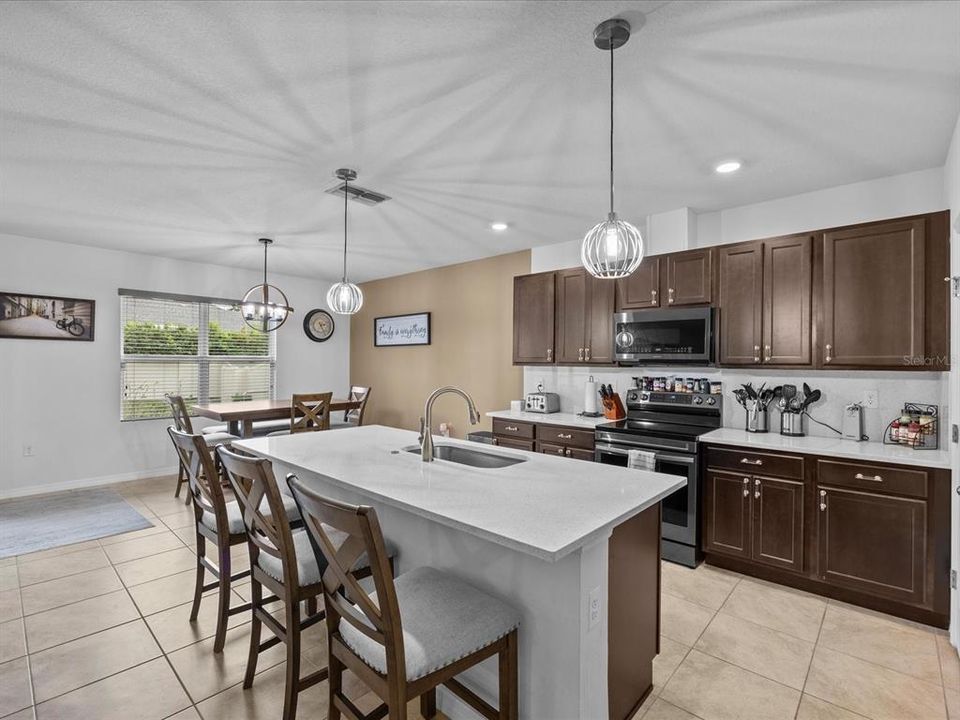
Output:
(593, 612)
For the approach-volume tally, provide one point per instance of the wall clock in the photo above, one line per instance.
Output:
(318, 325)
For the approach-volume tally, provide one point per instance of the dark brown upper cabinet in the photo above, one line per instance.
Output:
(585, 308)
(689, 277)
(873, 294)
(741, 303)
(787, 296)
(641, 290)
(533, 318)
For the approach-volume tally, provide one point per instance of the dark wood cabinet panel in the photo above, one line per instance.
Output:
(873, 295)
(551, 449)
(726, 513)
(580, 454)
(641, 290)
(778, 522)
(599, 327)
(562, 435)
(514, 444)
(689, 277)
(787, 300)
(740, 301)
(533, 318)
(874, 543)
(571, 315)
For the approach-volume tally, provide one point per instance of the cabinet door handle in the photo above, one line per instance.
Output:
(561, 451)
(748, 461)
(823, 500)
(746, 487)
(494, 442)
(874, 478)
(766, 349)
(756, 492)
(653, 296)
(756, 353)
(670, 295)
(580, 357)
(568, 436)
(549, 354)
(588, 354)
(510, 428)
(828, 357)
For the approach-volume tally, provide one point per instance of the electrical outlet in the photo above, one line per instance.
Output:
(871, 399)
(28, 450)
(593, 612)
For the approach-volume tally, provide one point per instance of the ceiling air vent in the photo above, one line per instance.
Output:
(361, 195)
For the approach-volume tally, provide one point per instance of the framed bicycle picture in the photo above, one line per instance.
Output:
(46, 317)
(402, 330)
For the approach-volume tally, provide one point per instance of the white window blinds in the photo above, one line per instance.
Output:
(195, 347)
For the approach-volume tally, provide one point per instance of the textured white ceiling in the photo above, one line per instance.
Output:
(191, 129)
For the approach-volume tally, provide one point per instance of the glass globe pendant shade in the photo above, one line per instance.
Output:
(345, 298)
(264, 308)
(612, 249)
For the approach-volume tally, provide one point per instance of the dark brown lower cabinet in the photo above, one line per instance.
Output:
(872, 542)
(778, 522)
(560, 440)
(513, 443)
(726, 509)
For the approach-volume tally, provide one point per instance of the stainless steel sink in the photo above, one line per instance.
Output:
(468, 456)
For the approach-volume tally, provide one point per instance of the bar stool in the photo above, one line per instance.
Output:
(181, 420)
(414, 633)
(308, 412)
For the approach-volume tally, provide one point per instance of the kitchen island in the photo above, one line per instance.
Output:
(573, 546)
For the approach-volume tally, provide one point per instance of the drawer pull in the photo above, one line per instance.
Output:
(561, 451)
(568, 436)
(874, 478)
(511, 428)
(748, 461)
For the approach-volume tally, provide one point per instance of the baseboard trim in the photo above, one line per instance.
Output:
(46, 489)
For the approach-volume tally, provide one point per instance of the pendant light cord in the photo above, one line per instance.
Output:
(265, 263)
(611, 128)
(346, 183)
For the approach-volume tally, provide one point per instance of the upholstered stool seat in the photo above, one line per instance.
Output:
(308, 571)
(214, 439)
(443, 619)
(235, 514)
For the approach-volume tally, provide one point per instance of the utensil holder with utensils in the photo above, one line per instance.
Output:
(757, 420)
(755, 402)
(791, 423)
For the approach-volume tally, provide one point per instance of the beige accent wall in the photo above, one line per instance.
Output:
(471, 306)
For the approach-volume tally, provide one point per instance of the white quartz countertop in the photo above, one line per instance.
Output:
(834, 447)
(547, 506)
(557, 418)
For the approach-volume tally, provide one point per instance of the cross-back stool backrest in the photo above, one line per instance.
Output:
(181, 418)
(310, 411)
(360, 394)
(202, 475)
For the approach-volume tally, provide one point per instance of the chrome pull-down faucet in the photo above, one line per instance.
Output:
(426, 439)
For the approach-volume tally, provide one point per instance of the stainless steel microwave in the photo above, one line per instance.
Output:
(668, 335)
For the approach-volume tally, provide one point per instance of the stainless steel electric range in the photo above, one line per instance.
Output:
(668, 425)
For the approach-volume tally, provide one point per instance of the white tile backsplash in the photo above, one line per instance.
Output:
(839, 388)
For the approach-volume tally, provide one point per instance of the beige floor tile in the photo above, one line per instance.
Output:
(780, 608)
(953, 703)
(681, 620)
(70, 622)
(949, 662)
(187, 535)
(716, 690)
(163, 503)
(10, 605)
(74, 664)
(645, 706)
(872, 690)
(25, 714)
(166, 592)
(73, 588)
(12, 642)
(264, 699)
(14, 686)
(180, 519)
(142, 547)
(173, 629)
(703, 585)
(188, 714)
(57, 551)
(133, 535)
(767, 652)
(671, 655)
(9, 579)
(150, 568)
(205, 674)
(62, 566)
(10, 560)
(662, 710)
(146, 692)
(812, 708)
(880, 640)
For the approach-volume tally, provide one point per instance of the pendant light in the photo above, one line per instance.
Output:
(264, 306)
(614, 247)
(345, 298)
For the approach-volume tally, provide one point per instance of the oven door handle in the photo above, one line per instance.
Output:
(613, 450)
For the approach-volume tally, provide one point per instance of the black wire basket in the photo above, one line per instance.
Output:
(921, 433)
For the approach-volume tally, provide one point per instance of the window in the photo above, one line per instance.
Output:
(196, 347)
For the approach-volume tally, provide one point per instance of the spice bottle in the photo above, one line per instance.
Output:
(895, 431)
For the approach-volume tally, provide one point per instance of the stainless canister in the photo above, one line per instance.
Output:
(757, 420)
(791, 424)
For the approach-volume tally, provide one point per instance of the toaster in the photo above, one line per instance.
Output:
(542, 402)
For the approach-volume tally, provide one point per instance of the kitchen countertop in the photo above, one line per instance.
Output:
(834, 447)
(547, 506)
(557, 418)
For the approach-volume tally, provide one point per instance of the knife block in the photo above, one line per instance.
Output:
(613, 408)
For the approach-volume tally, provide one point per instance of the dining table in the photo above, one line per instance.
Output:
(240, 415)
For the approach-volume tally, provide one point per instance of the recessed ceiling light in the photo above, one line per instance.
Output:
(498, 226)
(727, 167)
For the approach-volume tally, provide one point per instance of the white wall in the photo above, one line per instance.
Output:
(63, 398)
(895, 196)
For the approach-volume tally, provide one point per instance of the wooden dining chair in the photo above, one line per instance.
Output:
(416, 632)
(183, 423)
(216, 520)
(353, 417)
(309, 412)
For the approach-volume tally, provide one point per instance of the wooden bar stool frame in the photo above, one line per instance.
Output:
(182, 422)
(310, 412)
(360, 394)
(207, 494)
(344, 599)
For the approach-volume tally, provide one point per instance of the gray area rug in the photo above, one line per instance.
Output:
(46, 521)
